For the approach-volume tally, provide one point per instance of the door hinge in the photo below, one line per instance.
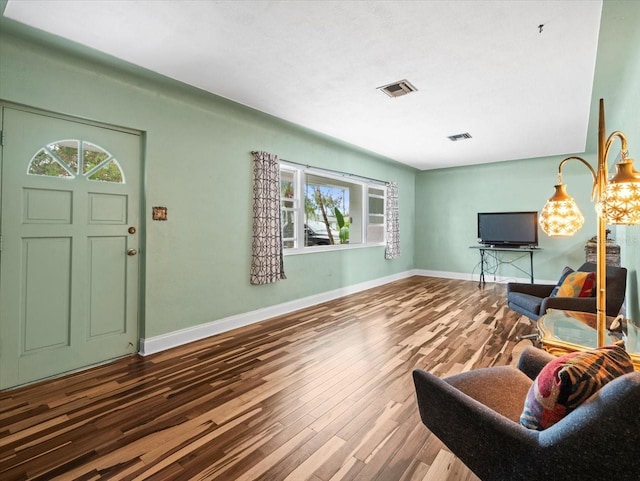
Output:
(0, 243)
(1, 138)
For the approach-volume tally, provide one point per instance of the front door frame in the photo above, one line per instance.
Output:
(142, 224)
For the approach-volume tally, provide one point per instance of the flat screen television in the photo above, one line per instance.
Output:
(508, 229)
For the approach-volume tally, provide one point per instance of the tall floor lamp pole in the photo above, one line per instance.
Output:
(601, 247)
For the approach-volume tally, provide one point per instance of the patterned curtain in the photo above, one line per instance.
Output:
(393, 225)
(267, 261)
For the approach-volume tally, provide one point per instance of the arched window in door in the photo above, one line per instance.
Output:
(69, 159)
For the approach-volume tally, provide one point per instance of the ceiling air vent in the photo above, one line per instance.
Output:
(455, 138)
(399, 88)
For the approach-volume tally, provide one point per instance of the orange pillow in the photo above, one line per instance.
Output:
(578, 284)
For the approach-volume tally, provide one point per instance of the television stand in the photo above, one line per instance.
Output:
(490, 251)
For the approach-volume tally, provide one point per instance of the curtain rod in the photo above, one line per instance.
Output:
(339, 172)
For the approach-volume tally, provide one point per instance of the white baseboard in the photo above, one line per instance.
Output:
(448, 275)
(162, 342)
(465, 276)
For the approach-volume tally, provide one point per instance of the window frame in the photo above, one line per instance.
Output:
(299, 173)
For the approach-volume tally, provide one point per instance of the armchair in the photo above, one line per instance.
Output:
(476, 415)
(533, 300)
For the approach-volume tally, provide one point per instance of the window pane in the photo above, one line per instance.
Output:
(44, 164)
(67, 152)
(375, 233)
(287, 187)
(289, 204)
(327, 205)
(288, 224)
(92, 155)
(376, 219)
(288, 229)
(376, 205)
(374, 191)
(109, 173)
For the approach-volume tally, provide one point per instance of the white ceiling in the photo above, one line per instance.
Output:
(481, 67)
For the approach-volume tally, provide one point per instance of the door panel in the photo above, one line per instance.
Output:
(107, 302)
(47, 206)
(107, 209)
(68, 289)
(46, 314)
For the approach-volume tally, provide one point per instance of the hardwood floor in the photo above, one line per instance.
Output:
(322, 394)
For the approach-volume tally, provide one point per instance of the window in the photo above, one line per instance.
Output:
(321, 208)
(376, 211)
(60, 159)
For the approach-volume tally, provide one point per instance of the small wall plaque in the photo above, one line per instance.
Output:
(159, 213)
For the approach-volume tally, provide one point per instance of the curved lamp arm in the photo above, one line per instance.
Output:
(587, 165)
(624, 151)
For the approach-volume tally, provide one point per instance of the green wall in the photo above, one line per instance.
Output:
(197, 163)
(618, 81)
(447, 200)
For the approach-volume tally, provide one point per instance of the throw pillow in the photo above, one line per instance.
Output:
(565, 272)
(568, 381)
(577, 284)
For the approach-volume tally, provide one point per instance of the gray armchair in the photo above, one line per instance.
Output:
(533, 300)
(476, 415)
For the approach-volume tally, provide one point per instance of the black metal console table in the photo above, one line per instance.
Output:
(490, 251)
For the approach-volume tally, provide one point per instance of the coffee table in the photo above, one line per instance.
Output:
(561, 332)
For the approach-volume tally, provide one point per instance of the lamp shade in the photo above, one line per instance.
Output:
(561, 216)
(620, 202)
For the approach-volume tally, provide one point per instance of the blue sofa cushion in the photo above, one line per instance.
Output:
(526, 301)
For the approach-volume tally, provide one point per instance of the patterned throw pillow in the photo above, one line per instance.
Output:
(578, 284)
(565, 272)
(568, 381)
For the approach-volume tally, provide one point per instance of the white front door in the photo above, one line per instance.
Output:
(70, 238)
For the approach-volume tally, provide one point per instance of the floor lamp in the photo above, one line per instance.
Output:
(618, 203)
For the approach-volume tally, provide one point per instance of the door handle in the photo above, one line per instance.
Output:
(132, 252)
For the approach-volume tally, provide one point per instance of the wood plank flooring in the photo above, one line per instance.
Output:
(322, 394)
